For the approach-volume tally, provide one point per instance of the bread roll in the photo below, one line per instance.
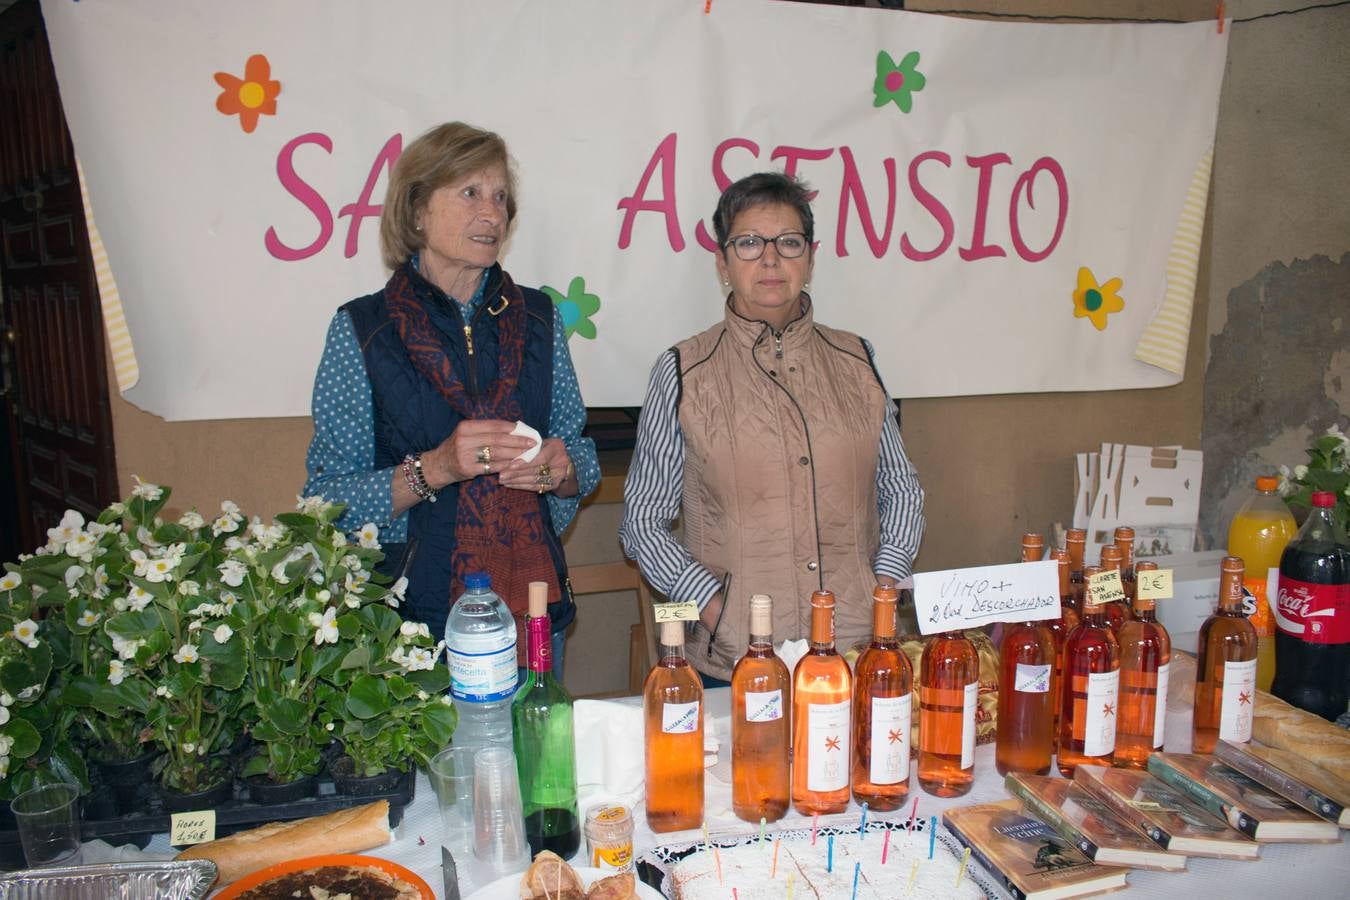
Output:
(1277, 724)
(344, 831)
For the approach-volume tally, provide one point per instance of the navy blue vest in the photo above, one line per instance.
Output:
(411, 416)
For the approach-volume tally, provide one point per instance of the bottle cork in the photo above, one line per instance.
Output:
(1145, 603)
(1090, 603)
(1033, 547)
(672, 634)
(761, 614)
(538, 599)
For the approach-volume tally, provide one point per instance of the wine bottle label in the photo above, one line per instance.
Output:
(1160, 706)
(969, 700)
(763, 706)
(1239, 699)
(679, 718)
(890, 739)
(1032, 679)
(1103, 700)
(827, 748)
(1313, 613)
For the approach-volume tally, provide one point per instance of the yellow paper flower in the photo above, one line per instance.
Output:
(1096, 302)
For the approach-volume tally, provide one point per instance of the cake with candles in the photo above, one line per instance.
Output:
(789, 864)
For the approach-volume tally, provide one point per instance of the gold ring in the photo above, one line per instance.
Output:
(487, 468)
(485, 454)
(545, 471)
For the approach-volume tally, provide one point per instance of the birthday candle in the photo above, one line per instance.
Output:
(705, 837)
(857, 867)
(815, 820)
(829, 854)
(932, 835)
(736, 896)
(885, 845)
(774, 866)
(965, 858)
(862, 828)
(913, 870)
(789, 896)
(718, 858)
(761, 829)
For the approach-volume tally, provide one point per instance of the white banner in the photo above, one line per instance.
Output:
(1002, 207)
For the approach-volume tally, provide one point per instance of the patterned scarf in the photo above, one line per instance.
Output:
(498, 530)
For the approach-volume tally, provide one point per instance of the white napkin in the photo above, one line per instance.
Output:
(792, 651)
(526, 431)
(610, 761)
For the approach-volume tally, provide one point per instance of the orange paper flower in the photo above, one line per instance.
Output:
(251, 96)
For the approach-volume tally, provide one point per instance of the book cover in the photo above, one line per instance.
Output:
(1031, 859)
(1290, 775)
(1089, 824)
(1163, 814)
(1244, 804)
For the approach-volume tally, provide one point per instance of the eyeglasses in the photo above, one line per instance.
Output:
(750, 247)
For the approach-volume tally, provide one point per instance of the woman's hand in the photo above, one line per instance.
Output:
(476, 447)
(551, 470)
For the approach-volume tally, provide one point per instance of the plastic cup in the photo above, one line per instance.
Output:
(451, 774)
(499, 842)
(49, 824)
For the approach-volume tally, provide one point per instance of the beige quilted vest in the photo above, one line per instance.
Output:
(781, 438)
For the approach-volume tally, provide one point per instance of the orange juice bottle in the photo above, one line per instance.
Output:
(1258, 535)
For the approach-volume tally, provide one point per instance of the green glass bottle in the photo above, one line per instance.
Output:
(546, 756)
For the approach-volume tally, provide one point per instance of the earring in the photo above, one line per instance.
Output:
(726, 282)
(807, 286)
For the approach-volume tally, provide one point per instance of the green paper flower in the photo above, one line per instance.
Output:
(576, 308)
(897, 84)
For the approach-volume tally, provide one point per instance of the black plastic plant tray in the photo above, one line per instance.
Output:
(236, 814)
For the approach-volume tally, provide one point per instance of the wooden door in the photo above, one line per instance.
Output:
(55, 380)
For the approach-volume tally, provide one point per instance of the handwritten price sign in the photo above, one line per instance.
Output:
(1107, 587)
(677, 612)
(968, 598)
(192, 827)
(1155, 585)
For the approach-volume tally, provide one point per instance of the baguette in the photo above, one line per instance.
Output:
(1277, 724)
(344, 831)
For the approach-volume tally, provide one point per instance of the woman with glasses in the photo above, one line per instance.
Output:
(772, 437)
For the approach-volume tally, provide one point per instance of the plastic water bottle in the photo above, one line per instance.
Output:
(480, 639)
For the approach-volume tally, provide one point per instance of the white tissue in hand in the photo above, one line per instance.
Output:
(526, 431)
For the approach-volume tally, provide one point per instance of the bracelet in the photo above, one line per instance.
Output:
(416, 479)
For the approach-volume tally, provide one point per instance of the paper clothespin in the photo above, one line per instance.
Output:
(707, 6)
(1218, 14)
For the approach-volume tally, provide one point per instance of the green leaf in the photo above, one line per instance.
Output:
(358, 658)
(433, 681)
(26, 738)
(132, 625)
(256, 765)
(223, 665)
(79, 691)
(400, 687)
(68, 766)
(438, 722)
(382, 620)
(289, 716)
(290, 623)
(368, 697)
(30, 668)
(116, 699)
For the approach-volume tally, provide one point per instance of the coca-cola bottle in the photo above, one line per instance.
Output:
(1312, 614)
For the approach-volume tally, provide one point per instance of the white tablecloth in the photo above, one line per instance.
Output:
(1284, 870)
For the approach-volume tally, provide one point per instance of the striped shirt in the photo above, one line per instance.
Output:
(341, 457)
(655, 485)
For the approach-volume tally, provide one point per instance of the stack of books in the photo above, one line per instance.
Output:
(1060, 838)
